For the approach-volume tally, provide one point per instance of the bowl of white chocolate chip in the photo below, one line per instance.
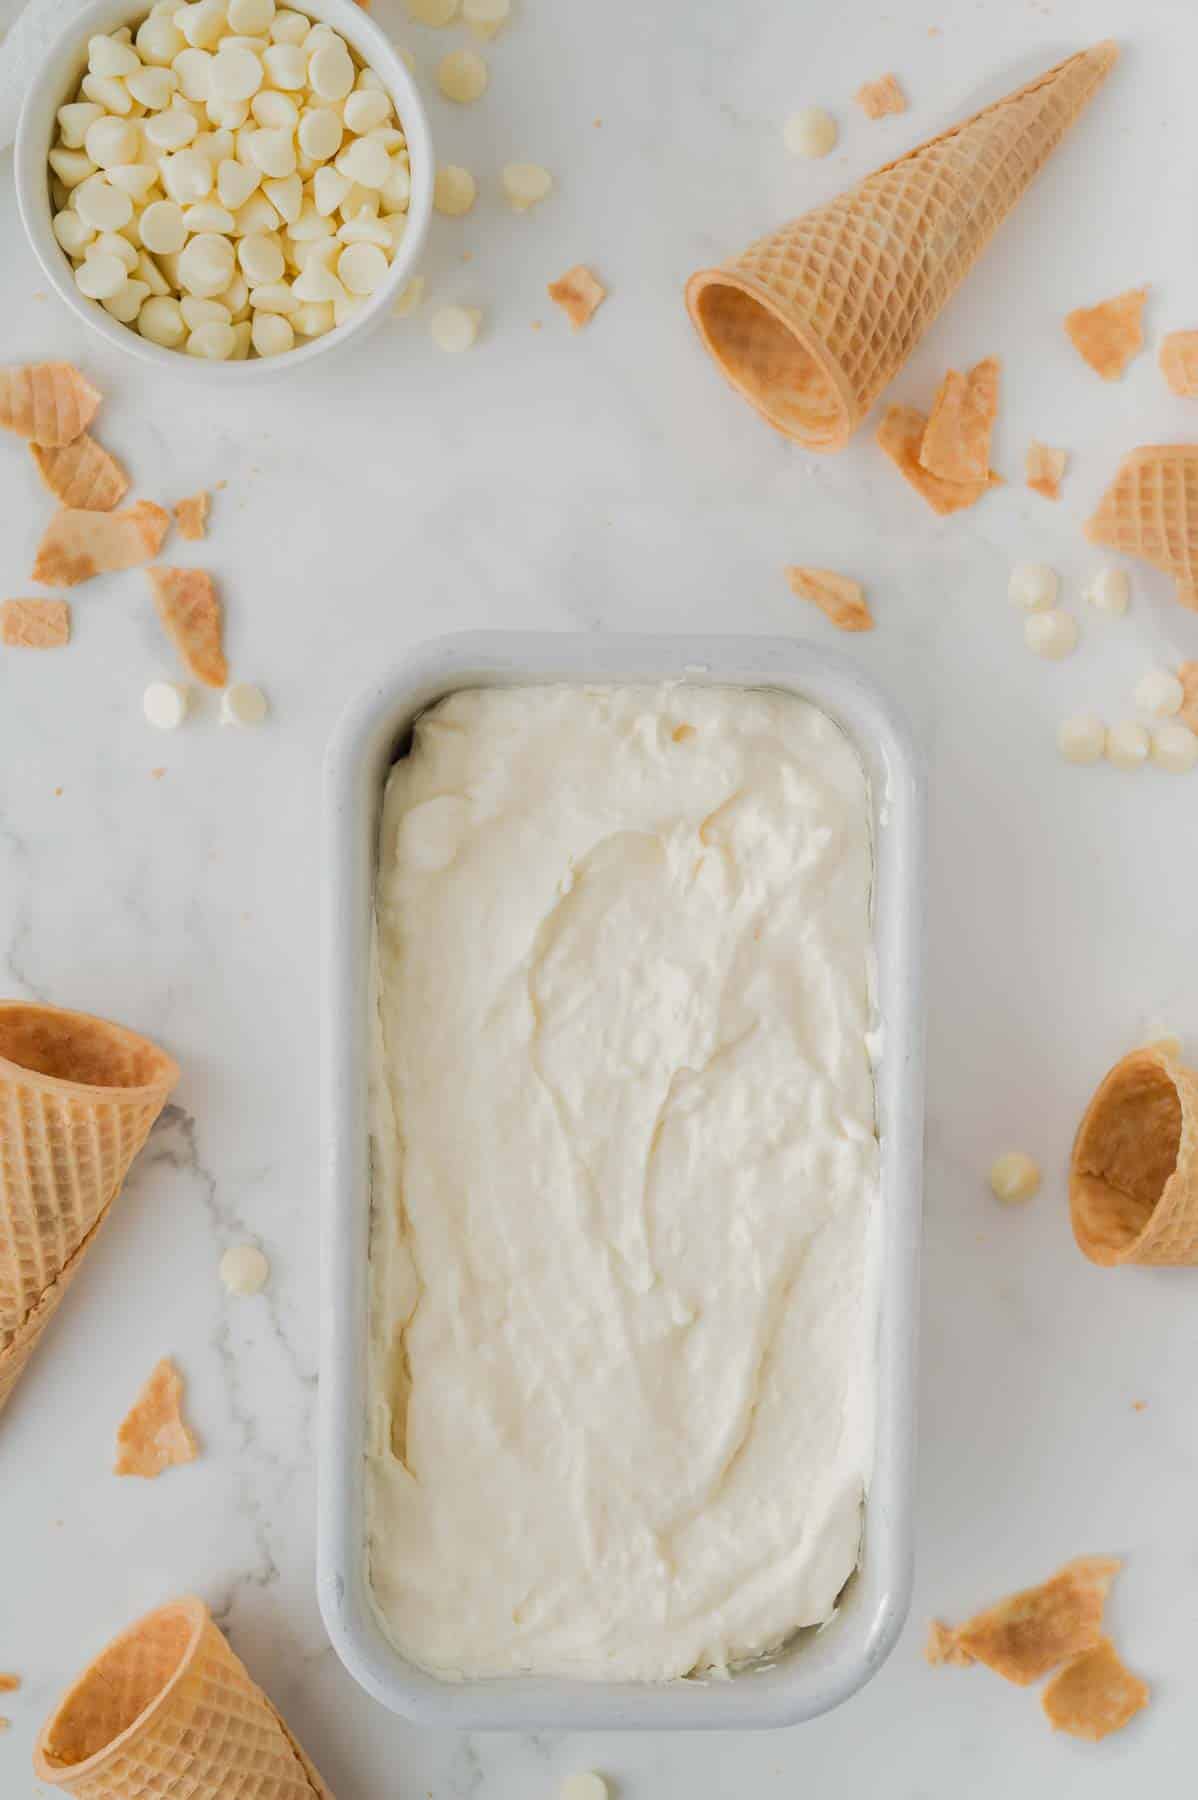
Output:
(225, 182)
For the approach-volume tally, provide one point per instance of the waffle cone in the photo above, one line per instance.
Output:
(1150, 510)
(812, 322)
(167, 1708)
(77, 1099)
(1133, 1183)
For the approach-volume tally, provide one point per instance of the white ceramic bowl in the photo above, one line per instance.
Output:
(58, 80)
(821, 1668)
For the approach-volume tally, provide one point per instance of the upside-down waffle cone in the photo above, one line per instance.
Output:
(168, 1709)
(1133, 1181)
(812, 322)
(77, 1099)
(1150, 510)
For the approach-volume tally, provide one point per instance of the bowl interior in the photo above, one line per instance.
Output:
(57, 81)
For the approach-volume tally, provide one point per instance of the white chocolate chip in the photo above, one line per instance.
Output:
(455, 328)
(109, 56)
(213, 342)
(134, 179)
(273, 152)
(253, 16)
(289, 27)
(485, 17)
(1082, 739)
(111, 243)
(462, 76)
(261, 258)
(187, 175)
(110, 142)
(331, 71)
(109, 92)
(170, 130)
(161, 322)
(1160, 693)
(206, 264)
(165, 702)
(525, 184)
(198, 312)
(73, 167)
(235, 74)
(1033, 586)
(329, 188)
(286, 67)
(1127, 745)
(208, 215)
(320, 133)
(455, 190)
(235, 182)
(364, 162)
(271, 335)
(1014, 1177)
(1052, 634)
(1174, 747)
(274, 297)
(810, 132)
(361, 268)
(366, 109)
(126, 303)
(1108, 590)
(242, 341)
(72, 232)
(244, 1271)
(159, 41)
(202, 23)
(194, 69)
(74, 121)
(312, 318)
(100, 277)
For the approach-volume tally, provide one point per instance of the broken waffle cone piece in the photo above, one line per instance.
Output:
(154, 1436)
(956, 441)
(811, 323)
(1044, 469)
(191, 615)
(1094, 1695)
(943, 1650)
(879, 98)
(78, 544)
(78, 1097)
(35, 624)
(1150, 510)
(48, 403)
(841, 600)
(1179, 363)
(1036, 1630)
(1110, 334)
(191, 516)
(167, 1708)
(82, 474)
(901, 436)
(579, 293)
(1133, 1180)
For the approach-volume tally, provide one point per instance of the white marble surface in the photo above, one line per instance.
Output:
(611, 480)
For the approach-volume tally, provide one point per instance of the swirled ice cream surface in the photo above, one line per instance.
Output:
(621, 1355)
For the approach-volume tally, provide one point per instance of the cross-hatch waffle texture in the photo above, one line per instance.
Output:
(813, 321)
(77, 1100)
(169, 1710)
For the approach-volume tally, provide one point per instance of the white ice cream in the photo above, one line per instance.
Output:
(621, 1348)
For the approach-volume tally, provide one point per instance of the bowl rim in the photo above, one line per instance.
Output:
(49, 89)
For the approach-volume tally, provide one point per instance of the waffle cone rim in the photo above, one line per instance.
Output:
(59, 1087)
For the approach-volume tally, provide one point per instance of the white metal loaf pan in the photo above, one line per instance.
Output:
(821, 1668)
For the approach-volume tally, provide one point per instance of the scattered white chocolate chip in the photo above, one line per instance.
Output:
(1127, 745)
(485, 17)
(1082, 739)
(525, 184)
(587, 1786)
(165, 704)
(244, 1271)
(810, 132)
(1108, 590)
(455, 190)
(242, 703)
(462, 76)
(1174, 747)
(1014, 1177)
(1052, 634)
(1159, 693)
(1033, 586)
(454, 328)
